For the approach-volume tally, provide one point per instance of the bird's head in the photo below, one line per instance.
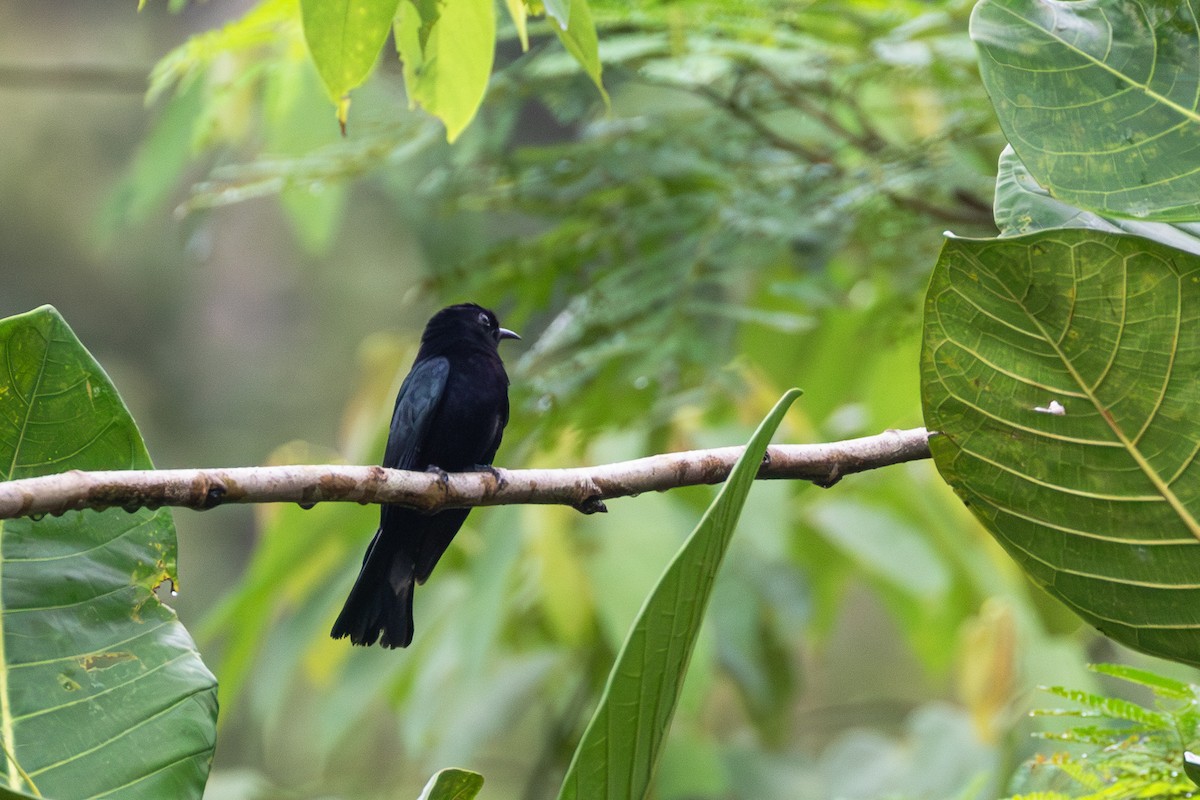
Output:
(463, 325)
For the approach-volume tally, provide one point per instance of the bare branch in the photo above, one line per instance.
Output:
(584, 488)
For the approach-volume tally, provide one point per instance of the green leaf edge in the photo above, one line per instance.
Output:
(451, 783)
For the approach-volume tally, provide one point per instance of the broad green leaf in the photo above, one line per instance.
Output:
(578, 36)
(344, 38)
(101, 688)
(1023, 206)
(1099, 99)
(447, 52)
(452, 784)
(1062, 373)
(623, 741)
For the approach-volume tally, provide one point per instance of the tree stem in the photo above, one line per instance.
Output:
(584, 488)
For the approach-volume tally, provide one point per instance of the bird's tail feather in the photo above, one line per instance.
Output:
(380, 605)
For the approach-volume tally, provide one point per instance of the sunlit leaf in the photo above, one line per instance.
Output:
(447, 58)
(1062, 373)
(559, 11)
(101, 688)
(1099, 99)
(519, 12)
(344, 38)
(623, 742)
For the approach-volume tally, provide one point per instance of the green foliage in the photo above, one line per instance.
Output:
(761, 200)
(1129, 749)
(101, 688)
(621, 746)
(721, 198)
(1098, 99)
(1091, 496)
(1056, 364)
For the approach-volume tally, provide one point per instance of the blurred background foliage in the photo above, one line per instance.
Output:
(759, 208)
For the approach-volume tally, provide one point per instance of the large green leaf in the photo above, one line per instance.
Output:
(1063, 374)
(623, 741)
(1099, 99)
(101, 688)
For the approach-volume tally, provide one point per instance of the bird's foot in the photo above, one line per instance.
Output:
(497, 475)
(443, 477)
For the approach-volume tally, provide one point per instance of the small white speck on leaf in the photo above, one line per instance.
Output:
(1055, 408)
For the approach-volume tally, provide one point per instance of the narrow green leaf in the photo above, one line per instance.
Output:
(520, 17)
(578, 36)
(1114, 707)
(452, 784)
(1162, 685)
(101, 688)
(1062, 373)
(447, 58)
(344, 38)
(1099, 99)
(623, 741)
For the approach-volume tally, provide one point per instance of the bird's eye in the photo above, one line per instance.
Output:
(484, 319)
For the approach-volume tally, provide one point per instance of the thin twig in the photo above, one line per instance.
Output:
(584, 488)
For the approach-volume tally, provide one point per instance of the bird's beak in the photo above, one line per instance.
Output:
(505, 333)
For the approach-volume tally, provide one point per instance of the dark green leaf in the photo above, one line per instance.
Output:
(101, 688)
(1023, 206)
(1099, 99)
(623, 742)
(1061, 372)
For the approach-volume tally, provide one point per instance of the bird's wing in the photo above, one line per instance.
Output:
(416, 404)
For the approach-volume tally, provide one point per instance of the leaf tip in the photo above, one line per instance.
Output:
(343, 112)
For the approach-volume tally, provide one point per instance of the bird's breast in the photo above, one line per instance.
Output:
(468, 420)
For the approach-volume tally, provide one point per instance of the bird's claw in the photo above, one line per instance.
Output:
(497, 475)
(443, 477)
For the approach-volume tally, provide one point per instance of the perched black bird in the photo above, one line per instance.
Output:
(450, 414)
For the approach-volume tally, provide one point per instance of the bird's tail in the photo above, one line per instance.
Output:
(380, 605)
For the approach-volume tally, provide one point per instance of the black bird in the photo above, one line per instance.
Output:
(450, 414)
